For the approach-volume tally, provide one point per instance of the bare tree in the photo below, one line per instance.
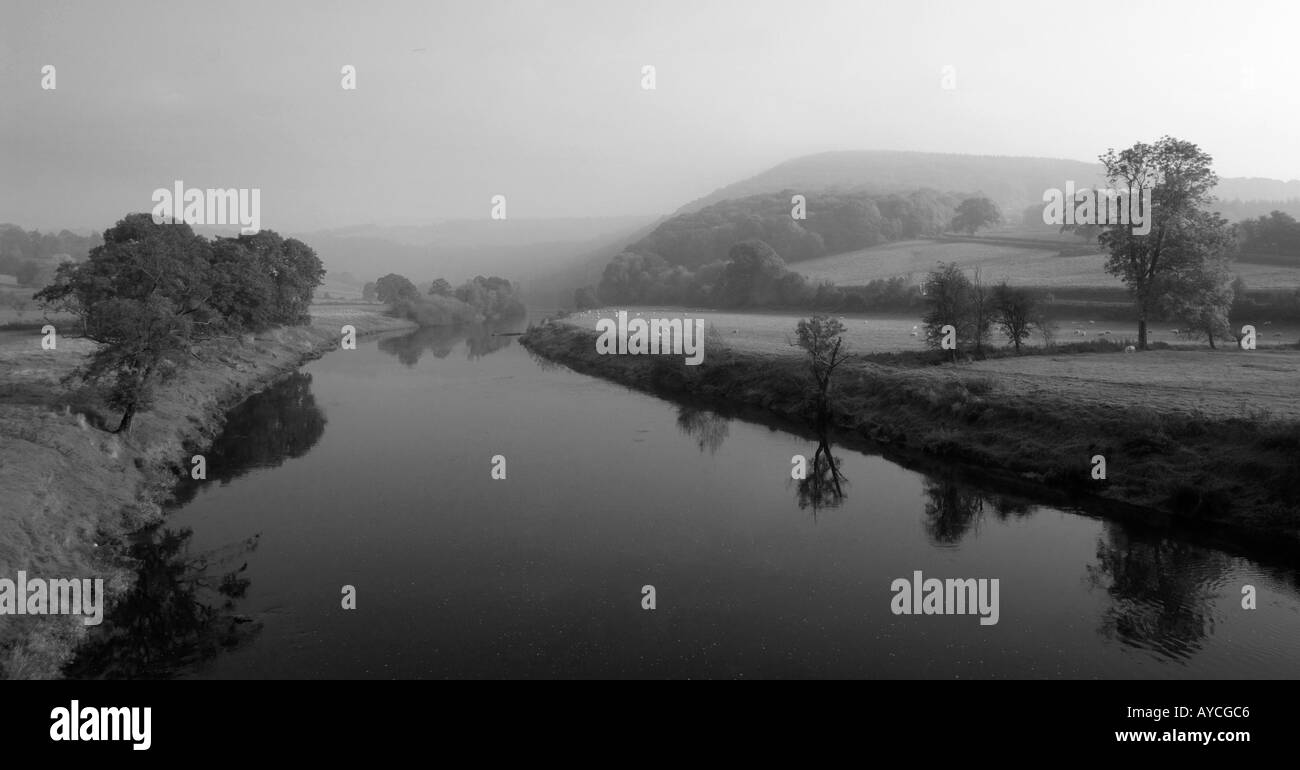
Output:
(822, 337)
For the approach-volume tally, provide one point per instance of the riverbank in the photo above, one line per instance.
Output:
(1225, 460)
(71, 492)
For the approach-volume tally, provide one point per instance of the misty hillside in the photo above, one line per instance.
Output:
(1012, 182)
(836, 221)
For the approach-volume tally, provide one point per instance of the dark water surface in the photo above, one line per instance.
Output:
(372, 468)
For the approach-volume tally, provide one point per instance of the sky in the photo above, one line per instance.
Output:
(458, 101)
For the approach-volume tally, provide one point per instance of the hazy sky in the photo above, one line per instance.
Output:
(542, 101)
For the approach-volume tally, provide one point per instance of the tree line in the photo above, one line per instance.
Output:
(478, 300)
(151, 291)
(835, 222)
(1180, 270)
(753, 275)
(32, 256)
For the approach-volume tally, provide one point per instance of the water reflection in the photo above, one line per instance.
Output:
(708, 428)
(280, 423)
(952, 509)
(1161, 590)
(480, 340)
(823, 483)
(178, 614)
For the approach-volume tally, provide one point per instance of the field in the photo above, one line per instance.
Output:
(1221, 384)
(772, 332)
(1019, 266)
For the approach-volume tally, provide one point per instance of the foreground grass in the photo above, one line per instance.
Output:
(1205, 437)
(70, 491)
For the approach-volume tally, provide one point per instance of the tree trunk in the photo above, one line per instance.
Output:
(127, 416)
(1142, 333)
(1209, 332)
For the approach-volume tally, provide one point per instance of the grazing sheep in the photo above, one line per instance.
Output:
(1130, 349)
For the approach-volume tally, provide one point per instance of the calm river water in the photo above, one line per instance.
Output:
(373, 469)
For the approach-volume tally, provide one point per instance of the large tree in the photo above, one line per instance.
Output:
(1015, 308)
(143, 295)
(974, 213)
(955, 300)
(153, 289)
(1181, 181)
(1199, 291)
(752, 276)
(394, 288)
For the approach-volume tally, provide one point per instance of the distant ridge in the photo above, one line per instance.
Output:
(1012, 181)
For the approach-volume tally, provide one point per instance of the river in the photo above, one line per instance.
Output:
(372, 468)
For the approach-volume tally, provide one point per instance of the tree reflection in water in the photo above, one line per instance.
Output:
(1161, 590)
(823, 483)
(952, 509)
(180, 612)
(708, 428)
(480, 340)
(280, 423)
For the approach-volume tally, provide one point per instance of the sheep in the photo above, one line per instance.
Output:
(1130, 349)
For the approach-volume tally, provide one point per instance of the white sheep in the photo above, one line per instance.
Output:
(1130, 349)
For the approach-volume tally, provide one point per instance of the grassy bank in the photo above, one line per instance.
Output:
(1223, 457)
(70, 491)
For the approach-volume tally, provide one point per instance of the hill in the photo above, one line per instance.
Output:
(1012, 182)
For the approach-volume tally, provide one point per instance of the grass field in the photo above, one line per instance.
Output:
(1216, 383)
(1019, 266)
(771, 332)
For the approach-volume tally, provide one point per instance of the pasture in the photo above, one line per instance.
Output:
(1036, 267)
(773, 332)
